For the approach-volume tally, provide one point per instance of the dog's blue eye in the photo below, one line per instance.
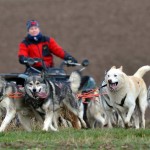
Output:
(108, 75)
(115, 75)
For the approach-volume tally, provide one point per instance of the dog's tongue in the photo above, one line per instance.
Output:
(113, 86)
(42, 95)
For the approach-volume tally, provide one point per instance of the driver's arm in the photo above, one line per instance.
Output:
(58, 51)
(22, 53)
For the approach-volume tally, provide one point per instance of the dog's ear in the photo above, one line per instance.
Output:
(26, 79)
(42, 74)
(121, 68)
(40, 77)
(1, 79)
(113, 67)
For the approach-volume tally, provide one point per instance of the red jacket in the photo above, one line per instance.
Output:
(43, 49)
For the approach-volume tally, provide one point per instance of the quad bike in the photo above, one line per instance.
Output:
(54, 73)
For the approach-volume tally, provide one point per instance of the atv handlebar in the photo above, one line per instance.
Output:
(32, 61)
(70, 63)
(84, 63)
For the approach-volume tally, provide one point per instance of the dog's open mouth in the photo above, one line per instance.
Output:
(42, 95)
(113, 86)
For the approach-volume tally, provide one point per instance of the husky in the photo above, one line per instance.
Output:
(48, 97)
(112, 117)
(128, 93)
(7, 103)
(100, 112)
(95, 111)
(13, 104)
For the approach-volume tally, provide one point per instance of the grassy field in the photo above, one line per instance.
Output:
(71, 139)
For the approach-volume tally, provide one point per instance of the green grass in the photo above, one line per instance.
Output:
(69, 139)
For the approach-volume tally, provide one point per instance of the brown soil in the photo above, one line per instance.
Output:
(106, 32)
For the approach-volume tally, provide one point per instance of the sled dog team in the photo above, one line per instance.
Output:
(121, 100)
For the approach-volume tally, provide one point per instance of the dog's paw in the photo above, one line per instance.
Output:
(51, 128)
(127, 125)
(2, 130)
(84, 125)
(45, 129)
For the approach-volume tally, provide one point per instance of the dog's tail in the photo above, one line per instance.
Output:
(75, 81)
(141, 71)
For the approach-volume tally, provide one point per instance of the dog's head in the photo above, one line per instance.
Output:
(36, 87)
(75, 81)
(114, 78)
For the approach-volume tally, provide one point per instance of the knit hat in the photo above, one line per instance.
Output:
(32, 23)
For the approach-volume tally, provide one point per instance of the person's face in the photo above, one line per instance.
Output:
(34, 31)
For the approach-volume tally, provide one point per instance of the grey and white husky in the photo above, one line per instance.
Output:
(48, 97)
(7, 103)
(13, 104)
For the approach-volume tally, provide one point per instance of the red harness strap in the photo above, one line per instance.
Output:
(16, 95)
(91, 95)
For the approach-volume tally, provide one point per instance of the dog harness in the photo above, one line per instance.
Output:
(63, 90)
(14, 94)
(122, 101)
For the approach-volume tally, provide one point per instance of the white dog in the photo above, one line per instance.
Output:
(128, 93)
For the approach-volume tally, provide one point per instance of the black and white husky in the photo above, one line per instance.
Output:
(48, 97)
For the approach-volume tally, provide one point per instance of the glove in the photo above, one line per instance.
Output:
(26, 60)
(70, 59)
(22, 59)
